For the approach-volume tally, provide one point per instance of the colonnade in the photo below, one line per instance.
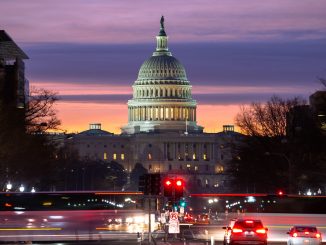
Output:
(149, 92)
(161, 113)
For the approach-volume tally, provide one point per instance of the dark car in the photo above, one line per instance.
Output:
(245, 231)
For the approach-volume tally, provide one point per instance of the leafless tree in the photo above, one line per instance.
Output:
(40, 113)
(266, 119)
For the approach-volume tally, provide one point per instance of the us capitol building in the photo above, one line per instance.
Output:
(162, 132)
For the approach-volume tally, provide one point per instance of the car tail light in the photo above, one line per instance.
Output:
(261, 231)
(294, 234)
(237, 230)
(318, 235)
(306, 232)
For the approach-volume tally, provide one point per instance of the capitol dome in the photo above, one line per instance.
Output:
(162, 99)
(162, 67)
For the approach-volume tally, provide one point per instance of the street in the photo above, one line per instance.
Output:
(55, 226)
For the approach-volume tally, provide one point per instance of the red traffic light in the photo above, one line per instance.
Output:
(168, 182)
(280, 193)
(179, 182)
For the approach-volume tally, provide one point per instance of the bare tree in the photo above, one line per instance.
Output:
(40, 114)
(266, 119)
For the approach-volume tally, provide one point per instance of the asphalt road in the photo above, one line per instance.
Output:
(100, 226)
(119, 242)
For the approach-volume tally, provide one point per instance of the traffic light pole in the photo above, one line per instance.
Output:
(149, 221)
(149, 211)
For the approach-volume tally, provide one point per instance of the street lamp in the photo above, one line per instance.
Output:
(21, 188)
(289, 167)
(8, 186)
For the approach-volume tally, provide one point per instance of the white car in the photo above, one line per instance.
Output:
(304, 235)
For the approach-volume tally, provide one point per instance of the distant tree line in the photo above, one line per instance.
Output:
(271, 158)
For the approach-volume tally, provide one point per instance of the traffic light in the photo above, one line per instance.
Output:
(150, 184)
(281, 193)
(142, 185)
(155, 184)
(178, 189)
(168, 187)
(183, 203)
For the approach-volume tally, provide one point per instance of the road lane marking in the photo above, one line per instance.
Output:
(30, 229)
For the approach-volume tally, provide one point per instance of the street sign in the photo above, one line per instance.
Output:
(174, 216)
(174, 226)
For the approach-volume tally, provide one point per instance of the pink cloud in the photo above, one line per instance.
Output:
(136, 21)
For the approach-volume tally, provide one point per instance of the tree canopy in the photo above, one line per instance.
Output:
(266, 119)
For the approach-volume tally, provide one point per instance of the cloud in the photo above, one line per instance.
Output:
(133, 21)
(262, 64)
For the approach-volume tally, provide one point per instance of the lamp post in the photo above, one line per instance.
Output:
(21, 188)
(8, 186)
(289, 168)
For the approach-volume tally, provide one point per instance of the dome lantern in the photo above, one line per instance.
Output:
(162, 41)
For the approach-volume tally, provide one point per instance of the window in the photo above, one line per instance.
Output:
(222, 157)
(194, 156)
(207, 167)
(196, 168)
(122, 156)
(170, 167)
(149, 157)
(188, 165)
(180, 167)
(114, 156)
(150, 167)
(219, 169)
(105, 156)
(204, 156)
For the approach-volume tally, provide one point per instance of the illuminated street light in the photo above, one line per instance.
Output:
(33, 190)
(21, 188)
(9, 186)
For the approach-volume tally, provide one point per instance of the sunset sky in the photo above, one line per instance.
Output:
(234, 51)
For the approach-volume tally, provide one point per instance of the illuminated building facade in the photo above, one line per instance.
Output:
(162, 133)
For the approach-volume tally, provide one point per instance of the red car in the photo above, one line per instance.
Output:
(245, 231)
(188, 218)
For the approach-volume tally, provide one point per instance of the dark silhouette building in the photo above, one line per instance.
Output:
(13, 84)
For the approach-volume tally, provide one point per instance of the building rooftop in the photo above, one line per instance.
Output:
(95, 130)
(9, 49)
